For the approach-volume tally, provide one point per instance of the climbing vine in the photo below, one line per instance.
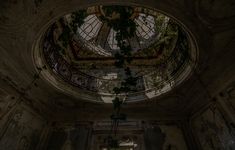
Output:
(77, 19)
(119, 19)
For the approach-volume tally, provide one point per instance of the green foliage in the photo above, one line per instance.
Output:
(77, 19)
(116, 90)
(128, 85)
(125, 11)
(123, 25)
(120, 60)
(60, 49)
(65, 36)
(125, 28)
(117, 103)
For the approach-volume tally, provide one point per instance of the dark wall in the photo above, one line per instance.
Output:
(76, 138)
(164, 137)
(154, 138)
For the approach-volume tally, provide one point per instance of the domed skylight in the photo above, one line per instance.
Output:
(82, 48)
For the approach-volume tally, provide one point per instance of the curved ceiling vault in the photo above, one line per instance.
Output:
(81, 59)
(25, 24)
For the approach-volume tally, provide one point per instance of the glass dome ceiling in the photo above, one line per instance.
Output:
(81, 49)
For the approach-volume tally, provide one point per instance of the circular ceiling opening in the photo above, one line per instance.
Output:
(83, 51)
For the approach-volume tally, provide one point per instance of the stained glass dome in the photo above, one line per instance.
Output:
(81, 49)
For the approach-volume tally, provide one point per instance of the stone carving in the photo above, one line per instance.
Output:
(22, 126)
(213, 130)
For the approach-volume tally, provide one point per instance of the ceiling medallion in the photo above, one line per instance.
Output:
(129, 52)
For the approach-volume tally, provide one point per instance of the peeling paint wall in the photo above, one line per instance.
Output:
(164, 137)
(213, 130)
(21, 131)
(214, 126)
